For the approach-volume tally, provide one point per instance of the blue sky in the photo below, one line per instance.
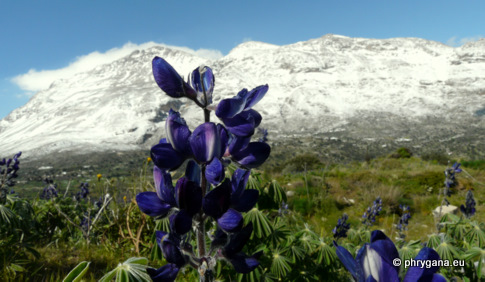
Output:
(41, 41)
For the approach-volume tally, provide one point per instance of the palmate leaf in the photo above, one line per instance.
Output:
(476, 236)
(257, 275)
(325, 253)
(261, 224)
(433, 241)
(77, 273)
(281, 264)
(133, 269)
(474, 254)
(410, 250)
(276, 192)
(447, 251)
(7, 216)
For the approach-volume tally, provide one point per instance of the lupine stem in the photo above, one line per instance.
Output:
(201, 227)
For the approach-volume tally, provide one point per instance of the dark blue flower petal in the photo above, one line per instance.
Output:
(192, 171)
(370, 263)
(415, 273)
(243, 124)
(178, 132)
(243, 263)
(231, 221)
(254, 155)
(239, 180)
(165, 157)
(384, 247)
(236, 143)
(237, 241)
(171, 251)
(215, 172)
(205, 142)
(217, 201)
(219, 240)
(166, 273)
(224, 136)
(202, 80)
(170, 81)
(188, 196)
(181, 222)
(159, 235)
(347, 260)
(246, 202)
(228, 108)
(151, 205)
(164, 186)
(255, 95)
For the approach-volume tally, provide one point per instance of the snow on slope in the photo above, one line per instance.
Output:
(315, 86)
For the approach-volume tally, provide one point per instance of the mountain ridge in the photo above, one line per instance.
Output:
(386, 89)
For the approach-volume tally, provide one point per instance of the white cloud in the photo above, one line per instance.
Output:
(25, 95)
(35, 80)
(246, 39)
(456, 42)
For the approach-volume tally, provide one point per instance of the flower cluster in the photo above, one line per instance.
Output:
(50, 191)
(403, 221)
(340, 230)
(83, 193)
(369, 216)
(8, 171)
(450, 178)
(469, 208)
(375, 262)
(283, 210)
(204, 191)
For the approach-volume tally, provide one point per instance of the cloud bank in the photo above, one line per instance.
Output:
(456, 42)
(35, 80)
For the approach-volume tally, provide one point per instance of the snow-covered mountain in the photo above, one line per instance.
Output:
(399, 89)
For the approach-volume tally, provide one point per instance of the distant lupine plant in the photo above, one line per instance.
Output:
(204, 192)
(84, 191)
(469, 208)
(450, 177)
(402, 225)
(376, 261)
(369, 216)
(340, 230)
(50, 191)
(8, 173)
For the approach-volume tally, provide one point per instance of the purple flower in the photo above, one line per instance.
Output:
(469, 208)
(199, 90)
(202, 80)
(340, 231)
(158, 204)
(236, 112)
(166, 273)
(374, 262)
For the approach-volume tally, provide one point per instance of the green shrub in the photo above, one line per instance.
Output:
(402, 153)
(478, 164)
(438, 157)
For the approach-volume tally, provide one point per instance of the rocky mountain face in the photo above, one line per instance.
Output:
(351, 92)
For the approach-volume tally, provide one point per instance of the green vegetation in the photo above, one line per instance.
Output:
(44, 240)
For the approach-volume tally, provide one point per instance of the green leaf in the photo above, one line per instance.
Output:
(280, 265)
(133, 269)
(433, 241)
(261, 224)
(276, 192)
(77, 273)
